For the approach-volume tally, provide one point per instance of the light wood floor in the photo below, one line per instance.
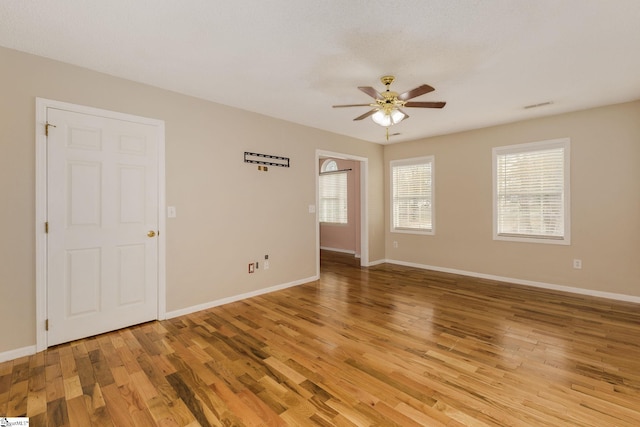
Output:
(382, 346)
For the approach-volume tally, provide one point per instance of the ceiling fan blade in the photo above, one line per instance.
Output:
(420, 90)
(352, 105)
(365, 115)
(370, 91)
(425, 104)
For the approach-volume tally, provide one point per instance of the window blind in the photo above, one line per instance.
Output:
(412, 193)
(333, 198)
(531, 193)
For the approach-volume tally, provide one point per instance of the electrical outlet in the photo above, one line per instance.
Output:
(577, 264)
(265, 265)
(395, 245)
(251, 268)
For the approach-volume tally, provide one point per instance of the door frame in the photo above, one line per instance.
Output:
(41, 216)
(364, 212)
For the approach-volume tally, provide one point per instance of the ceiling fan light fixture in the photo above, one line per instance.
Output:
(388, 118)
(382, 119)
(397, 116)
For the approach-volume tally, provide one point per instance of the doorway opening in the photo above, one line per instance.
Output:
(337, 231)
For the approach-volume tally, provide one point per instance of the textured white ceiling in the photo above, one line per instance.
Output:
(295, 59)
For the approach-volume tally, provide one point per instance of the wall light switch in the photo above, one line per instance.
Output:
(312, 208)
(171, 211)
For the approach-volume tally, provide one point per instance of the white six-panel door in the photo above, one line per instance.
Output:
(102, 207)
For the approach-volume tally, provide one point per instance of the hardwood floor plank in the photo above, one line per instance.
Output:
(39, 420)
(143, 417)
(37, 398)
(77, 411)
(57, 414)
(6, 368)
(20, 371)
(85, 372)
(195, 405)
(36, 402)
(18, 399)
(402, 416)
(5, 387)
(235, 404)
(119, 407)
(267, 416)
(67, 362)
(101, 368)
(174, 414)
(72, 387)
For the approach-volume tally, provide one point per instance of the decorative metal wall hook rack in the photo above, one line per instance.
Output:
(266, 159)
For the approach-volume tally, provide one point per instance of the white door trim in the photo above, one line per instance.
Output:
(41, 205)
(364, 211)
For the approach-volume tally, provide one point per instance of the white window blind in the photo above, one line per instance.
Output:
(412, 195)
(531, 191)
(333, 194)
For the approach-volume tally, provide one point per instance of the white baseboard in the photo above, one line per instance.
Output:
(17, 353)
(344, 251)
(570, 289)
(207, 305)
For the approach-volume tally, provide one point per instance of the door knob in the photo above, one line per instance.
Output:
(151, 233)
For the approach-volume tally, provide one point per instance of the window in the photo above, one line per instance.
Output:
(412, 195)
(333, 193)
(531, 192)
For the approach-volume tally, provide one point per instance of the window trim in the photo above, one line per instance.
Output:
(407, 162)
(564, 143)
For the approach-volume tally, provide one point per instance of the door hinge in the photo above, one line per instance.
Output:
(46, 325)
(46, 227)
(46, 128)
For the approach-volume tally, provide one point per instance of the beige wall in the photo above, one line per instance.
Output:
(345, 237)
(605, 203)
(229, 213)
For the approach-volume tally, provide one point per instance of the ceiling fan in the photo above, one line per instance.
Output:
(387, 106)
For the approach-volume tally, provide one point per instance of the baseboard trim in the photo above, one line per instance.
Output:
(17, 353)
(542, 285)
(216, 303)
(344, 251)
